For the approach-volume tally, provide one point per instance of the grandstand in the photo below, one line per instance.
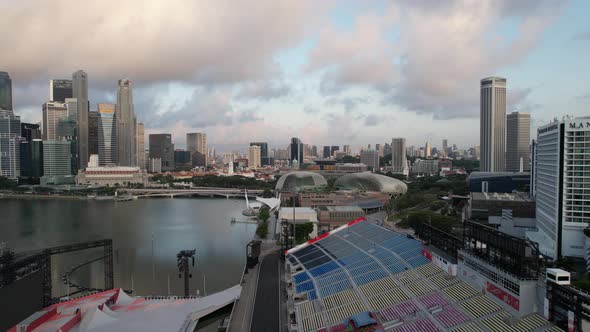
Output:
(362, 267)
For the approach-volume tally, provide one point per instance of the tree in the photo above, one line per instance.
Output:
(302, 232)
(6, 183)
(267, 193)
(264, 214)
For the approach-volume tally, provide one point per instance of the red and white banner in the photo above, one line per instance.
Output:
(503, 295)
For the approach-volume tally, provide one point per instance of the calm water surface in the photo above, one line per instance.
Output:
(169, 224)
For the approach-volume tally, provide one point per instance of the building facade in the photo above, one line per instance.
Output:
(10, 132)
(54, 115)
(562, 184)
(93, 118)
(425, 167)
(107, 135)
(80, 92)
(59, 90)
(30, 131)
(5, 91)
(399, 160)
(518, 139)
(111, 176)
(182, 159)
(254, 156)
(161, 147)
(126, 125)
(140, 150)
(31, 158)
(56, 158)
(264, 156)
(296, 149)
(196, 143)
(371, 159)
(493, 124)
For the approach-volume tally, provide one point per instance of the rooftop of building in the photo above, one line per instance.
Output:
(340, 208)
(512, 197)
(361, 267)
(477, 175)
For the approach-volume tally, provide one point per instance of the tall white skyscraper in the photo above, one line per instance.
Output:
(398, 156)
(427, 150)
(518, 140)
(140, 150)
(80, 92)
(492, 124)
(54, 114)
(561, 181)
(254, 157)
(126, 125)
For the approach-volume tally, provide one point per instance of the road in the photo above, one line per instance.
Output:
(266, 306)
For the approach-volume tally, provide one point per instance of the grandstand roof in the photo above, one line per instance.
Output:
(363, 267)
(113, 310)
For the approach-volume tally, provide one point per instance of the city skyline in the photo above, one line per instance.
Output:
(305, 81)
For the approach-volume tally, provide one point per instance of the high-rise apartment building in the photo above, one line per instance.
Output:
(493, 124)
(296, 149)
(59, 90)
(55, 115)
(399, 160)
(161, 147)
(80, 92)
(333, 150)
(56, 158)
(370, 158)
(107, 135)
(518, 139)
(5, 91)
(254, 156)
(264, 156)
(93, 120)
(140, 150)
(126, 125)
(9, 144)
(561, 183)
(314, 150)
(196, 143)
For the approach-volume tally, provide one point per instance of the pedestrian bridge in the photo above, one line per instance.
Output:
(197, 191)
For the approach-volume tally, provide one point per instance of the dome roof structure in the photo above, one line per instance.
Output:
(300, 179)
(367, 181)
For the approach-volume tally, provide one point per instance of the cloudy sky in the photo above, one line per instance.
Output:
(329, 72)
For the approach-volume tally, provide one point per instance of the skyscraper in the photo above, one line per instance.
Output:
(493, 124)
(30, 131)
(93, 120)
(140, 150)
(264, 157)
(107, 135)
(56, 158)
(296, 149)
(370, 157)
(5, 91)
(59, 90)
(518, 139)
(161, 147)
(196, 143)
(398, 156)
(333, 150)
(9, 144)
(31, 158)
(427, 150)
(126, 125)
(445, 148)
(254, 156)
(326, 152)
(347, 150)
(55, 114)
(560, 177)
(80, 92)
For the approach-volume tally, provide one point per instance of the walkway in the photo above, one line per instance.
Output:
(267, 304)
